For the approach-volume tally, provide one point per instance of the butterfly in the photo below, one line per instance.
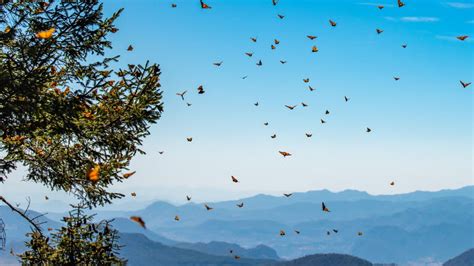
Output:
(218, 63)
(332, 23)
(208, 208)
(335, 231)
(256, 104)
(266, 123)
(235, 180)
(130, 48)
(161, 152)
(282, 233)
(379, 31)
(368, 130)
(50, 229)
(273, 47)
(275, 2)
(396, 78)
(328, 233)
(297, 232)
(94, 173)
(133, 194)
(276, 41)
(346, 98)
(282, 61)
(404, 45)
(127, 175)
(465, 84)
(287, 195)
(46, 198)
(188, 198)
(281, 16)
(46, 34)
(359, 233)
(400, 3)
(176, 218)
(240, 205)
(173, 5)
(380, 7)
(327, 112)
(310, 88)
(244, 77)
(189, 139)
(259, 63)
(291, 107)
(189, 104)
(138, 220)
(304, 105)
(306, 80)
(237, 257)
(273, 136)
(322, 121)
(284, 153)
(200, 89)
(181, 94)
(311, 37)
(462, 38)
(254, 39)
(314, 49)
(249, 54)
(309, 135)
(204, 5)
(392, 183)
(323, 206)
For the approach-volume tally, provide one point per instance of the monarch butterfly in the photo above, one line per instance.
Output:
(204, 5)
(235, 180)
(45, 34)
(304, 105)
(400, 3)
(392, 183)
(138, 220)
(94, 173)
(259, 63)
(200, 89)
(277, 41)
(254, 39)
(311, 37)
(282, 233)
(127, 175)
(189, 139)
(240, 205)
(309, 135)
(462, 38)
(465, 84)
(176, 218)
(130, 48)
(133, 194)
(379, 31)
(306, 80)
(291, 107)
(188, 198)
(332, 23)
(208, 208)
(273, 47)
(284, 154)
(380, 7)
(287, 195)
(281, 16)
(249, 54)
(218, 63)
(368, 130)
(323, 206)
(314, 49)
(273, 136)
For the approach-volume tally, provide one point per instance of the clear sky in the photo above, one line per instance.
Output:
(421, 125)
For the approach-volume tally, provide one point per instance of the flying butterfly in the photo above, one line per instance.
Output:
(324, 208)
(284, 154)
(306, 80)
(249, 54)
(327, 112)
(310, 88)
(273, 136)
(130, 48)
(462, 38)
(404, 45)
(181, 94)
(254, 39)
(218, 63)
(380, 7)
(314, 49)
(200, 89)
(129, 174)
(275, 2)
(368, 130)
(204, 5)
(265, 124)
(281, 16)
(282, 233)
(189, 139)
(188, 198)
(276, 41)
(240, 205)
(297, 232)
(396, 78)
(334, 24)
(208, 207)
(282, 62)
(138, 220)
(176, 218)
(309, 135)
(256, 104)
(304, 104)
(322, 121)
(94, 173)
(273, 47)
(174, 5)
(291, 107)
(379, 31)
(46, 34)
(133, 194)
(234, 179)
(400, 3)
(287, 195)
(311, 37)
(465, 84)
(259, 63)
(392, 183)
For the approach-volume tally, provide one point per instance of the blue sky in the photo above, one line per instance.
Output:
(422, 124)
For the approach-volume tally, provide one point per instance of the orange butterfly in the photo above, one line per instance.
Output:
(130, 48)
(273, 47)
(240, 205)
(465, 84)
(94, 173)
(306, 80)
(127, 175)
(323, 206)
(176, 218)
(200, 89)
(204, 5)
(189, 139)
(314, 49)
(138, 220)
(392, 183)
(332, 23)
(311, 37)
(380, 7)
(235, 180)
(400, 3)
(284, 153)
(291, 107)
(287, 195)
(277, 41)
(462, 38)
(208, 208)
(282, 233)
(45, 34)
(133, 194)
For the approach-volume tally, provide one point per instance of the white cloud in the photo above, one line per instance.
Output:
(460, 5)
(419, 19)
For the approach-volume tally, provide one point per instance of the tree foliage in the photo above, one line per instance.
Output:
(80, 242)
(64, 110)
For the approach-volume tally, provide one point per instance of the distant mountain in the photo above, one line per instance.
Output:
(139, 250)
(326, 260)
(465, 259)
(223, 248)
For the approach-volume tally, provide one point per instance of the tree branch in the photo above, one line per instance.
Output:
(22, 214)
